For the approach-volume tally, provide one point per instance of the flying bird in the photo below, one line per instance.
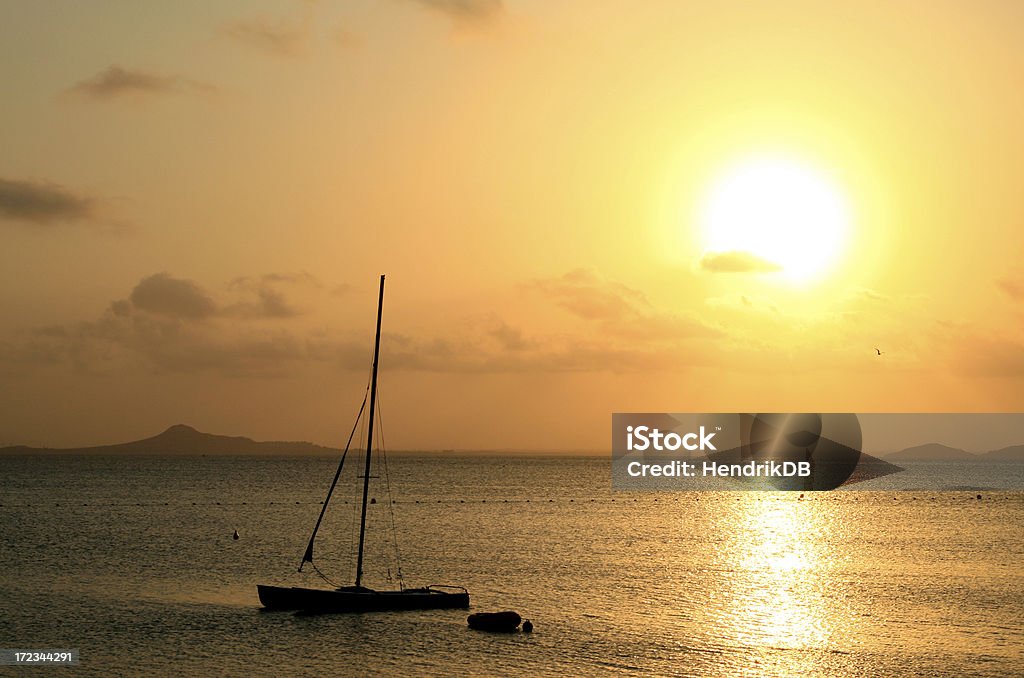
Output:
(877, 351)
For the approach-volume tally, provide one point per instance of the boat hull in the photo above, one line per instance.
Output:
(362, 600)
(497, 622)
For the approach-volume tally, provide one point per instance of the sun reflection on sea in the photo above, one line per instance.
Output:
(776, 593)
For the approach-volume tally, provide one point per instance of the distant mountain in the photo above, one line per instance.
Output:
(931, 452)
(184, 440)
(1012, 453)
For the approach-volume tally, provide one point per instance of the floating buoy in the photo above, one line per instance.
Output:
(527, 626)
(235, 535)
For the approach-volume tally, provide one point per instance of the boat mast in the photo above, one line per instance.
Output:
(369, 434)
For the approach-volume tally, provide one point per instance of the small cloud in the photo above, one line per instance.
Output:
(736, 261)
(346, 39)
(509, 338)
(341, 290)
(1012, 287)
(42, 203)
(276, 37)
(869, 294)
(466, 11)
(175, 297)
(115, 81)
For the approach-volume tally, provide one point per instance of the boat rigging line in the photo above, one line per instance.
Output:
(383, 461)
(307, 557)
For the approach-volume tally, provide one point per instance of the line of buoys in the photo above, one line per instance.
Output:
(801, 497)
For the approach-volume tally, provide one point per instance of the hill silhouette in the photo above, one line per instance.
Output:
(932, 452)
(184, 440)
(1012, 453)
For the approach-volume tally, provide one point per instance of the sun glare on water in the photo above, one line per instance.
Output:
(775, 214)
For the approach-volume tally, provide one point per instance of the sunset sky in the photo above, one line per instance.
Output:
(196, 199)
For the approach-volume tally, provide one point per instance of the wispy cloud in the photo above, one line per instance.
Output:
(345, 38)
(865, 293)
(174, 324)
(1012, 287)
(736, 261)
(276, 37)
(617, 310)
(265, 296)
(117, 82)
(466, 11)
(247, 329)
(584, 294)
(43, 203)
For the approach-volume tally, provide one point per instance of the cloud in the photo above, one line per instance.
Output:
(736, 261)
(266, 300)
(1012, 287)
(617, 310)
(467, 355)
(174, 297)
(174, 325)
(858, 293)
(585, 295)
(115, 81)
(346, 39)
(989, 357)
(509, 338)
(42, 203)
(466, 11)
(259, 297)
(276, 37)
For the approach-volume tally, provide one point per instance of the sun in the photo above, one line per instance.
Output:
(776, 214)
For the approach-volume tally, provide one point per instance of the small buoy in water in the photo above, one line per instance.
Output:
(527, 626)
(235, 535)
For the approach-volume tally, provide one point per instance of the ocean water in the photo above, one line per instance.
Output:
(132, 562)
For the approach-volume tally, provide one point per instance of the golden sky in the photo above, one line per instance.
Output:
(196, 199)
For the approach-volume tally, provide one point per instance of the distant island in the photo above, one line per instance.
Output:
(185, 440)
(937, 452)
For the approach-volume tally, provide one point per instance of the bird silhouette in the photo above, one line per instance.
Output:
(235, 535)
(877, 351)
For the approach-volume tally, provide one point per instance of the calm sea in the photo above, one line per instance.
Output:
(132, 562)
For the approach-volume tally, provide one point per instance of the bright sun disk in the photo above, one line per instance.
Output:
(775, 212)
